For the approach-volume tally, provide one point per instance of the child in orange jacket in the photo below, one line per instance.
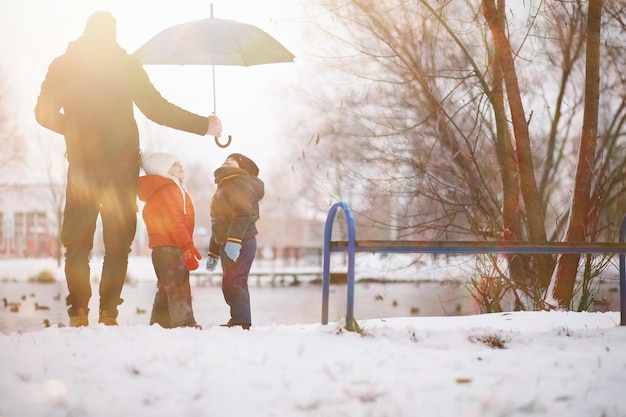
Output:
(169, 218)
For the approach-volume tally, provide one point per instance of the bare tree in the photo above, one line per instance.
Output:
(580, 217)
(463, 120)
(12, 148)
(46, 168)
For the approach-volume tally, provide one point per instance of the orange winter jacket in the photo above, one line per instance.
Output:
(169, 219)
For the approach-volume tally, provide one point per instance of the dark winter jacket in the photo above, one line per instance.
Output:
(234, 206)
(169, 219)
(88, 97)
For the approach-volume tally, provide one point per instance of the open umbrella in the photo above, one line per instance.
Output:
(213, 42)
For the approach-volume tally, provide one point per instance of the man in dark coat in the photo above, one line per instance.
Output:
(88, 96)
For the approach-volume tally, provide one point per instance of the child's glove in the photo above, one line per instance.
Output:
(232, 250)
(191, 256)
(211, 263)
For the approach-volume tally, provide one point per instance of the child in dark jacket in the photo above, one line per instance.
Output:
(234, 213)
(169, 218)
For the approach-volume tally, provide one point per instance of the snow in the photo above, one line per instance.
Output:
(507, 364)
(551, 364)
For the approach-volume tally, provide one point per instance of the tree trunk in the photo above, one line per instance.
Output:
(568, 264)
(495, 18)
(511, 228)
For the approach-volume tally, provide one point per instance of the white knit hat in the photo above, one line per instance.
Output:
(158, 163)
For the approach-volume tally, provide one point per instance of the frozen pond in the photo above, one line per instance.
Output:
(271, 304)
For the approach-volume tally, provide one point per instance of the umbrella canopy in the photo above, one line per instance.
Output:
(213, 41)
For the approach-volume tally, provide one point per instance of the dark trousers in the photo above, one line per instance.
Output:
(172, 302)
(113, 196)
(235, 282)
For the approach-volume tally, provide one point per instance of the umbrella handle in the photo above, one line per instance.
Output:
(223, 145)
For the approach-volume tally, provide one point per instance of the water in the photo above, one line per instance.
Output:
(271, 304)
(278, 303)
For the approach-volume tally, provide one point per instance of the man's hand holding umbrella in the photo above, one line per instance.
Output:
(215, 126)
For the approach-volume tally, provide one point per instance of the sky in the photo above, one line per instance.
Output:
(249, 101)
(514, 364)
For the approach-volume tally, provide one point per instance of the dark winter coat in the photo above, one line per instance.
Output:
(234, 206)
(169, 219)
(88, 97)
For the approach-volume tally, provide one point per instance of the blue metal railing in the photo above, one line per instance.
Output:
(328, 231)
(351, 246)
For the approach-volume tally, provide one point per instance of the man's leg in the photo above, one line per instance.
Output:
(119, 222)
(79, 225)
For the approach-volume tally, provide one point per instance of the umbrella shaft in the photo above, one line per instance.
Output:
(214, 100)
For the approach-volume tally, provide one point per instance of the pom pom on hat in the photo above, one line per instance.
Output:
(245, 163)
(158, 163)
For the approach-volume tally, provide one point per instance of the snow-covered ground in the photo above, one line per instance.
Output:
(507, 364)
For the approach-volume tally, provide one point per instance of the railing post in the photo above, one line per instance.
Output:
(351, 254)
(328, 231)
(622, 274)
